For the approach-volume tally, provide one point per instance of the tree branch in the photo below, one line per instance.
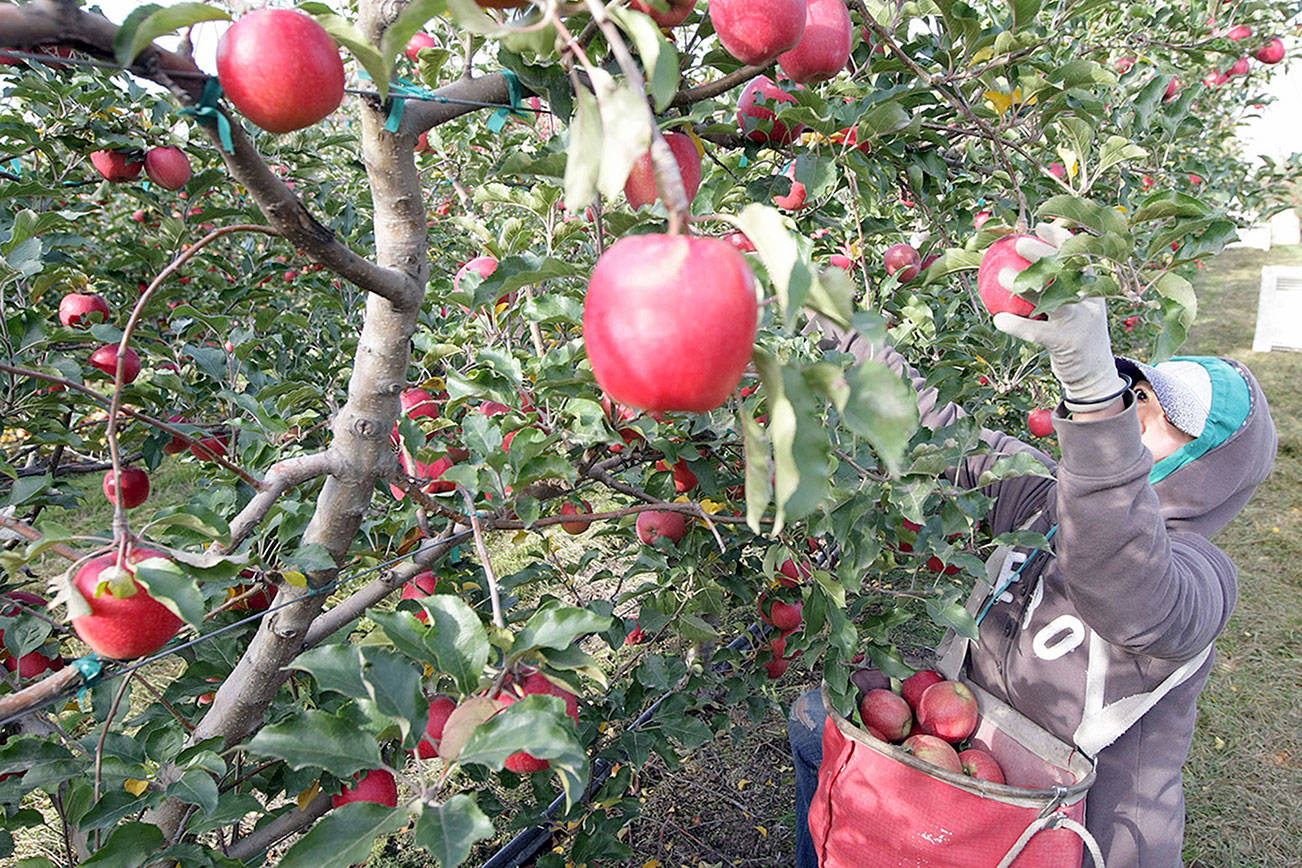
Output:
(264, 837)
(282, 476)
(688, 96)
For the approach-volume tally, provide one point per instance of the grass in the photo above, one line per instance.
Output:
(1245, 769)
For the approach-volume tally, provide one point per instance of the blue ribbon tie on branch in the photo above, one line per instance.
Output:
(498, 119)
(91, 668)
(207, 111)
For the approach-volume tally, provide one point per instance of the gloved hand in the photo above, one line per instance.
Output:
(1076, 334)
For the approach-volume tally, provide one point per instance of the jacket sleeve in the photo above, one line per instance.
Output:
(1139, 586)
(1016, 499)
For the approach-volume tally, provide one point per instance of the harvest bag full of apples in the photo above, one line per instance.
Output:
(942, 773)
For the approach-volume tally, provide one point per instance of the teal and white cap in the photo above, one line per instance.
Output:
(1183, 387)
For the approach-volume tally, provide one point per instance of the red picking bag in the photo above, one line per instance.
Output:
(877, 805)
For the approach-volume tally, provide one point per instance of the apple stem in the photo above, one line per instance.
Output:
(486, 562)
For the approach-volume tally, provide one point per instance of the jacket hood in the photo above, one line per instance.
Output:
(1204, 484)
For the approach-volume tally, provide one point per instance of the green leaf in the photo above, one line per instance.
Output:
(766, 228)
(801, 451)
(558, 626)
(147, 23)
(626, 130)
(456, 637)
(336, 667)
(344, 836)
(882, 408)
(175, 589)
(759, 470)
(659, 57)
(196, 787)
(583, 162)
(883, 118)
(28, 487)
(310, 558)
(1014, 466)
(130, 846)
(408, 23)
(342, 31)
(1103, 219)
(952, 260)
(470, 16)
(1169, 203)
(449, 830)
(112, 807)
(1118, 149)
(1024, 12)
(950, 613)
(316, 739)
(538, 725)
(394, 686)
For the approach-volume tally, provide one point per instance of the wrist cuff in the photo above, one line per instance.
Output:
(1085, 405)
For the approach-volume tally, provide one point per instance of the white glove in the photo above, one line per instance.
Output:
(1076, 334)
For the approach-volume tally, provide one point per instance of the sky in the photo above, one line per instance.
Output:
(1276, 133)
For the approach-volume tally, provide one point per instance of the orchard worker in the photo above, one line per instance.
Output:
(1105, 642)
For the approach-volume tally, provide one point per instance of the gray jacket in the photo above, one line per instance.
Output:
(1132, 599)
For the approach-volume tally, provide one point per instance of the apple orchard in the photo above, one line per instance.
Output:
(413, 427)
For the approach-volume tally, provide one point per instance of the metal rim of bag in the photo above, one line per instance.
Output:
(1047, 800)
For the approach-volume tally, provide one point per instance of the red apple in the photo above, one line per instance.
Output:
(757, 31)
(978, 763)
(1130, 322)
(440, 708)
(210, 447)
(849, 138)
(501, 4)
(758, 101)
(640, 188)
(1058, 170)
(32, 663)
(676, 13)
(980, 219)
(656, 524)
(521, 762)
(1272, 52)
(569, 508)
(135, 487)
(886, 712)
(117, 166)
(422, 585)
(168, 167)
(669, 322)
(176, 444)
(416, 43)
(841, 261)
(280, 69)
(1124, 64)
(376, 786)
(790, 575)
(1040, 422)
(933, 750)
(913, 686)
(82, 309)
(1240, 67)
(777, 667)
(1242, 31)
(1172, 90)
(949, 710)
(259, 602)
(795, 198)
(824, 47)
(902, 261)
(1215, 78)
(483, 265)
(106, 359)
(740, 242)
(1000, 255)
(785, 616)
(126, 627)
(684, 479)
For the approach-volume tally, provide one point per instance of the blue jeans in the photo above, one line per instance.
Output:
(805, 730)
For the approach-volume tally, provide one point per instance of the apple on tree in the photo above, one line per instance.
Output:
(83, 309)
(903, 261)
(117, 166)
(757, 31)
(32, 663)
(654, 524)
(575, 528)
(440, 709)
(124, 622)
(824, 47)
(521, 762)
(416, 43)
(1272, 52)
(1040, 422)
(1000, 256)
(422, 585)
(795, 198)
(106, 359)
(135, 487)
(669, 322)
(640, 188)
(754, 104)
(666, 13)
(376, 786)
(168, 167)
(280, 69)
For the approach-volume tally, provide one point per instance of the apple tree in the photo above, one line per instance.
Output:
(480, 342)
